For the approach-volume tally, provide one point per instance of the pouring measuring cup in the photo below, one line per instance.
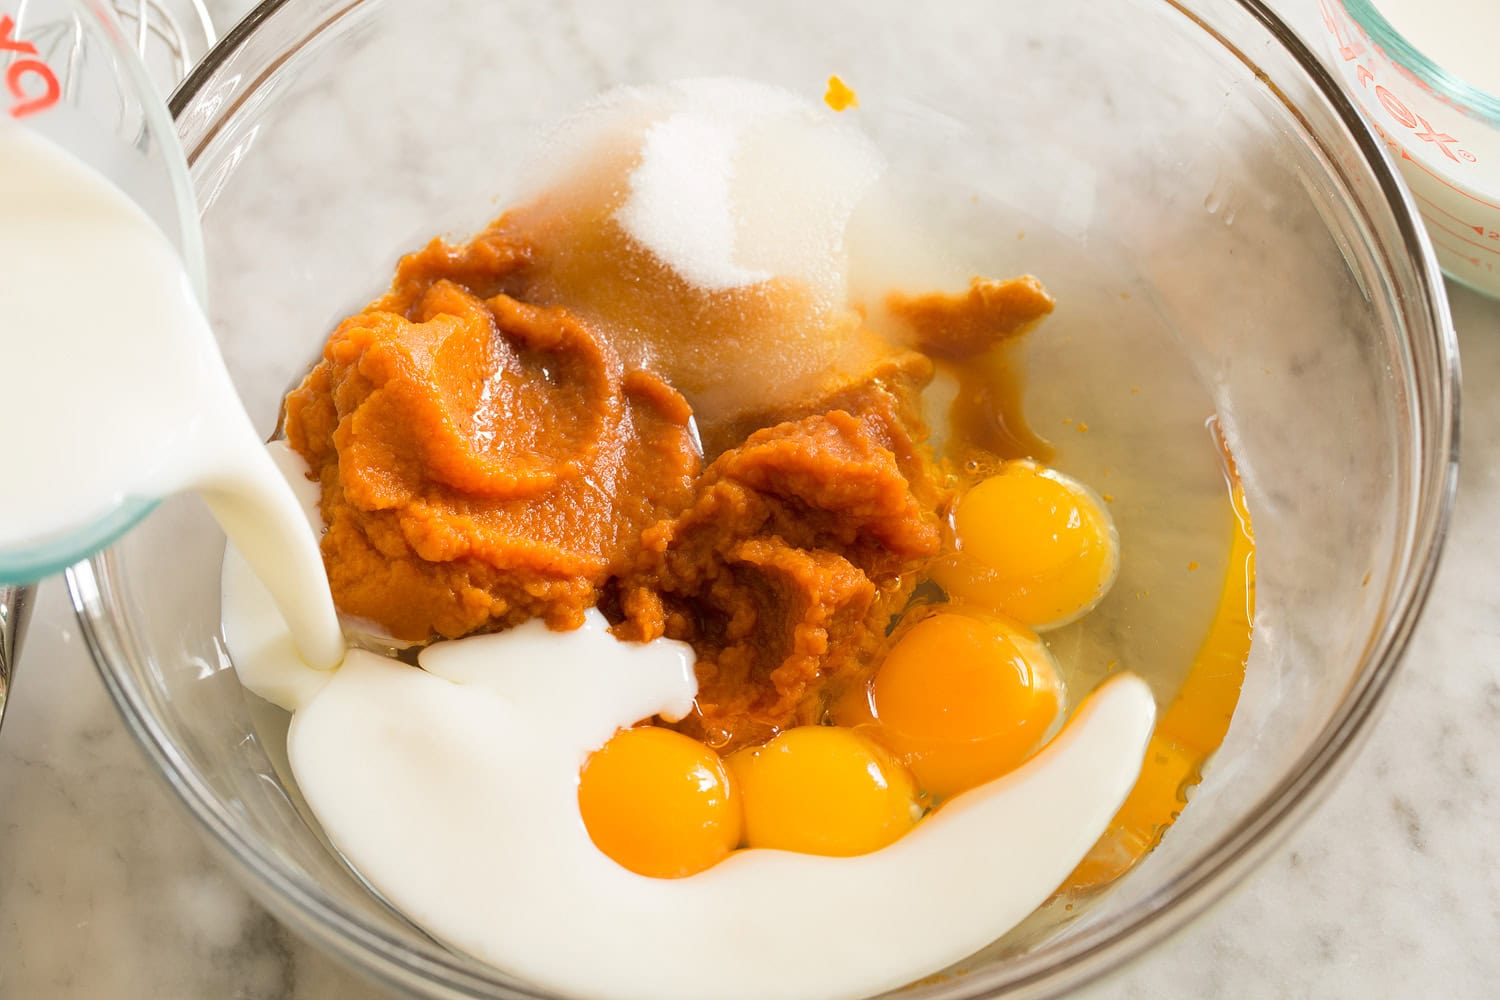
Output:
(75, 74)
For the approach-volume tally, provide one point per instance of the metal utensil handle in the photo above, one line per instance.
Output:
(15, 608)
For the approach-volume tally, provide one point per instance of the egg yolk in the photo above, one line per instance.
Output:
(962, 699)
(659, 803)
(823, 790)
(1032, 544)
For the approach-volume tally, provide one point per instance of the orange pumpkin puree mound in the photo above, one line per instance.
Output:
(961, 326)
(482, 461)
(796, 550)
(518, 429)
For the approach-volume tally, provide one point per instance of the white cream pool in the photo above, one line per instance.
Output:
(453, 789)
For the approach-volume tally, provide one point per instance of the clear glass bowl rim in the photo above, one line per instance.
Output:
(1452, 89)
(1086, 956)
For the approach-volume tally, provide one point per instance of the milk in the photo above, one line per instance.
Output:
(453, 790)
(116, 388)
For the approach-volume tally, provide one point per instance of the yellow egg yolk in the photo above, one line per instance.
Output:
(823, 790)
(962, 699)
(659, 803)
(1032, 544)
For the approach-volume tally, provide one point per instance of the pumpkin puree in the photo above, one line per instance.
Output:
(488, 454)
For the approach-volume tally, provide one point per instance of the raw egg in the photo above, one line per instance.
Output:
(659, 803)
(962, 698)
(1033, 544)
(823, 790)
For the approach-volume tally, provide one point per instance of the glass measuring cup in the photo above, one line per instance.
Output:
(74, 75)
(82, 77)
(1443, 134)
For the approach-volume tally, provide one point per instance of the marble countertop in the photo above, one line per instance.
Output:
(1391, 889)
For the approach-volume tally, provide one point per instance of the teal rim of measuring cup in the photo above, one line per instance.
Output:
(1447, 85)
(28, 565)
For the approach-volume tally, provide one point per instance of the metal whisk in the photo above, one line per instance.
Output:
(170, 36)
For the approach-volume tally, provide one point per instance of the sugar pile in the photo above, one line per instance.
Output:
(681, 204)
(730, 183)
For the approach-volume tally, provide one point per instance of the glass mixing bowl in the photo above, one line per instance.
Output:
(1194, 188)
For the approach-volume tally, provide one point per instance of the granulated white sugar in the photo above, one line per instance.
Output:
(797, 179)
(730, 182)
(681, 203)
